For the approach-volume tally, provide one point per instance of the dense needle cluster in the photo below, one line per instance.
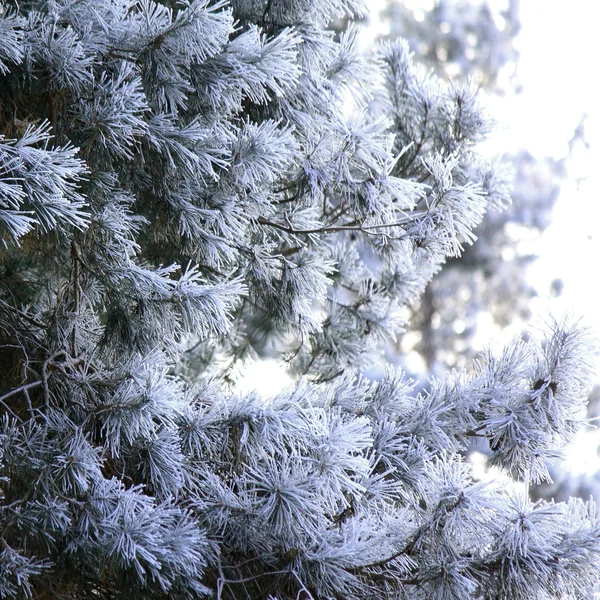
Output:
(185, 186)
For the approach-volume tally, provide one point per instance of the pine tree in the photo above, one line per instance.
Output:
(185, 186)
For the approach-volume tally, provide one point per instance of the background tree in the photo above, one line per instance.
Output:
(180, 188)
(462, 39)
(489, 287)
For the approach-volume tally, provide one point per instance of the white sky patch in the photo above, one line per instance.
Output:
(557, 68)
(268, 377)
(495, 477)
(582, 455)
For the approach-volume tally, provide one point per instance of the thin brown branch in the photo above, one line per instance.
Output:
(23, 315)
(23, 388)
(367, 229)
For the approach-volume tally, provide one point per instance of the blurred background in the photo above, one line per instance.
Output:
(533, 62)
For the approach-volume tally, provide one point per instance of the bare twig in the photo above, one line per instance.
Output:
(367, 229)
(20, 389)
(76, 258)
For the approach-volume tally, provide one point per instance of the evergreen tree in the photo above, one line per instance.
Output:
(187, 185)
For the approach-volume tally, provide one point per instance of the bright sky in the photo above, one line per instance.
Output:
(557, 67)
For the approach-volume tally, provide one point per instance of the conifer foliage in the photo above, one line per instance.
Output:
(184, 185)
